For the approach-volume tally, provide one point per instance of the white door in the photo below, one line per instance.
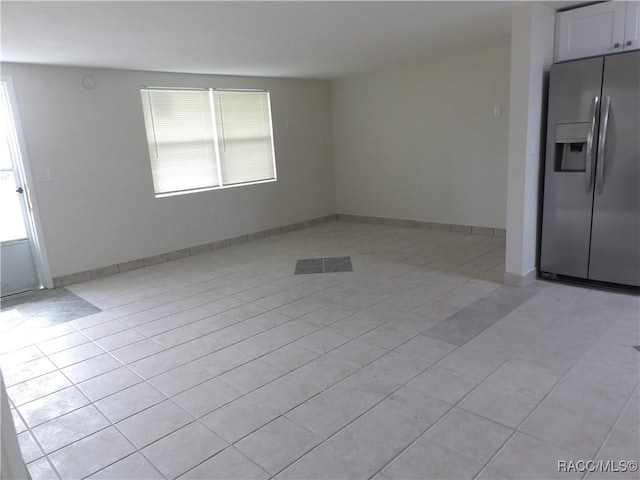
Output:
(18, 269)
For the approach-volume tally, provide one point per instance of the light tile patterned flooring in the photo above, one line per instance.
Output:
(418, 364)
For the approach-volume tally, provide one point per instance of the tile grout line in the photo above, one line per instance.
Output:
(90, 402)
(456, 405)
(196, 307)
(29, 428)
(614, 426)
(167, 398)
(354, 419)
(321, 327)
(197, 420)
(369, 409)
(148, 322)
(151, 338)
(517, 429)
(615, 422)
(145, 380)
(295, 406)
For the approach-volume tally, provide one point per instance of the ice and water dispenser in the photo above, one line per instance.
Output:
(571, 147)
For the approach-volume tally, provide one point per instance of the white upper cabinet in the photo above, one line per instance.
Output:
(632, 26)
(599, 29)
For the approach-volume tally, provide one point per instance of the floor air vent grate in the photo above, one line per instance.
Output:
(323, 265)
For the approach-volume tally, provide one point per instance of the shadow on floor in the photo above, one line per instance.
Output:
(42, 308)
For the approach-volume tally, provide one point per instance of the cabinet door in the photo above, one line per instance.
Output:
(632, 27)
(590, 31)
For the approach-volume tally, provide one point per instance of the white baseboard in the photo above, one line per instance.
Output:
(515, 280)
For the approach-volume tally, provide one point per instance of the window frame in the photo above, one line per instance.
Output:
(218, 160)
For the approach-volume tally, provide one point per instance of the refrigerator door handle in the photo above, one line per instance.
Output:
(602, 140)
(590, 145)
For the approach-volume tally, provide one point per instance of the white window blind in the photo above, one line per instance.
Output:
(204, 139)
(244, 136)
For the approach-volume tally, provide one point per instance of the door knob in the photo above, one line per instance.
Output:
(19, 190)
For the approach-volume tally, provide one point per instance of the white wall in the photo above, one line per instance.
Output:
(532, 37)
(421, 141)
(99, 208)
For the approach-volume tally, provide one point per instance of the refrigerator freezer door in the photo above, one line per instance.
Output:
(615, 236)
(568, 192)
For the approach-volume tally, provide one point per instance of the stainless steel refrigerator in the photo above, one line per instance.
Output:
(591, 201)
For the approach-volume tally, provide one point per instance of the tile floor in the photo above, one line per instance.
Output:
(44, 308)
(419, 363)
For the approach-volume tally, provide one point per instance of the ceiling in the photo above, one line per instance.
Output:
(302, 39)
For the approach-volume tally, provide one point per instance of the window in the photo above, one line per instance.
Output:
(201, 139)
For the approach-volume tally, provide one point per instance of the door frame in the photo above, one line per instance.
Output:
(32, 217)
